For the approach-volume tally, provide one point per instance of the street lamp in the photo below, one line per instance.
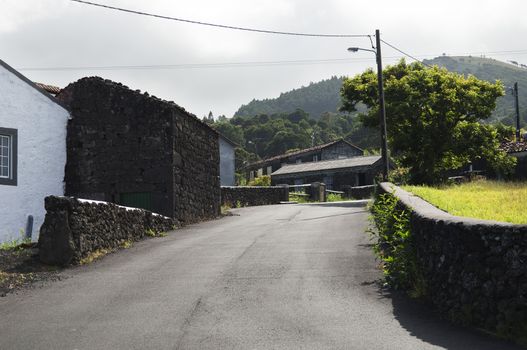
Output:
(382, 116)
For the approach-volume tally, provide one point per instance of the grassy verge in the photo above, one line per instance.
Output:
(490, 200)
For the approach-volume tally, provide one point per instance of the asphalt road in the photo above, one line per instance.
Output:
(274, 277)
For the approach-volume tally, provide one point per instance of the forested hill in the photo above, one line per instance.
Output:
(490, 69)
(324, 96)
(314, 99)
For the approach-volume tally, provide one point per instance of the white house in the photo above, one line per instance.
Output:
(32, 153)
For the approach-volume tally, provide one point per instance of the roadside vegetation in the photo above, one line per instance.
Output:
(484, 199)
(302, 197)
(394, 246)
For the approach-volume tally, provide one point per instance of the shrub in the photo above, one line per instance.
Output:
(264, 180)
(394, 245)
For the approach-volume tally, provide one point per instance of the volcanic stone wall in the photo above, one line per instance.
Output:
(74, 229)
(253, 195)
(196, 170)
(475, 270)
(134, 149)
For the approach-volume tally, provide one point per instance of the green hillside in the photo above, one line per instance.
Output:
(314, 99)
(324, 96)
(490, 69)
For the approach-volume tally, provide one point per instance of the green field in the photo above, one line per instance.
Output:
(490, 200)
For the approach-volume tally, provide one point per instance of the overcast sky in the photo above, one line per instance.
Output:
(62, 33)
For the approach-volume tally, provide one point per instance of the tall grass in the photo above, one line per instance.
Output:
(490, 200)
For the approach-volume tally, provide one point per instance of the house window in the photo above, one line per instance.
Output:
(269, 170)
(251, 175)
(8, 156)
(298, 161)
(260, 172)
(315, 158)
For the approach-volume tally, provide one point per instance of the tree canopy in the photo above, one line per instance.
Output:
(432, 118)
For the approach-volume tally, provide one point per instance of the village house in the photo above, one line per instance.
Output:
(336, 174)
(137, 150)
(338, 149)
(32, 153)
(517, 150)
(337, 164)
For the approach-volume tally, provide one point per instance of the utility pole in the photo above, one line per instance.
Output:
(382, 116)
(517, 105)
(382, 109)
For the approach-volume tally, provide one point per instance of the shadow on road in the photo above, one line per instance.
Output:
(418, 319)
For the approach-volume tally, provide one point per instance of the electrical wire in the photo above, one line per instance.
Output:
(201, 65)
(249, 63)
(406, 54)
(264, 31)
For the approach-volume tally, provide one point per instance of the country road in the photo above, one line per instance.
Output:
(271, 277)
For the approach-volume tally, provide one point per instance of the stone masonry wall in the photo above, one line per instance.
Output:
(196, 170)
(73, 228)
(475, 270)
(119, 141)
(253, 195)
(134, 149)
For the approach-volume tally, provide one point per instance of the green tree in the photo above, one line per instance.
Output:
(230, 131)
(432, 118)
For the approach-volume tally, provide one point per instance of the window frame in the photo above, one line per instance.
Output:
(12, 135)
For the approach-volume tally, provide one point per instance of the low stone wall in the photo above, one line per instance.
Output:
(253, 195)
(359, 192)
(475, 270)
(73, 228)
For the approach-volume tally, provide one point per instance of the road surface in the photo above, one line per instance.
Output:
(272, 277)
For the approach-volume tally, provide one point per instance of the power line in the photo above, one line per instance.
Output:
(265, 31)
(199, 65)
(248, 64)
(406, 54)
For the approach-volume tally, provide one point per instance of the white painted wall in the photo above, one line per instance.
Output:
(41, 125)
(226, 163)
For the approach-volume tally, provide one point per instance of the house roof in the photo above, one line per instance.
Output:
(49, 88)
(347, 163)
(514, 147)
(32, 84)
(302, 151)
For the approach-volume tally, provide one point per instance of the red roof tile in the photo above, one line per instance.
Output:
(49, 88)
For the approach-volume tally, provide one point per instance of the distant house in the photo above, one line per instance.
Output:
(227, 159)
(517, 150)
(338, 149)
(133, 149)
(32, 152)
(336, 174)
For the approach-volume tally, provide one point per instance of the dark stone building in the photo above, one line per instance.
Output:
(339, 149)
(136, 150)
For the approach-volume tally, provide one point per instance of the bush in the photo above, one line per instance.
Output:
(264, 180)
(394, 245)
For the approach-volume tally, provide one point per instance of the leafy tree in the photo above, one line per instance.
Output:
(432, 118)
(230, 131)
(270, 135)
